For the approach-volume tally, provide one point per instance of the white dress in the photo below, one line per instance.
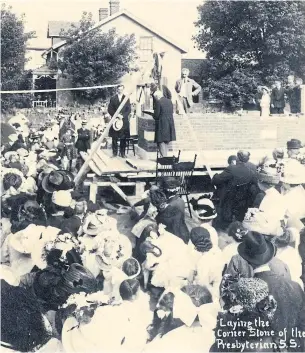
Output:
(113, 329)
(290, 256)
(175, 267)
(209, 267)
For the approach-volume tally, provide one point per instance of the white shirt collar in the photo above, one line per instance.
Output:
(262, 268)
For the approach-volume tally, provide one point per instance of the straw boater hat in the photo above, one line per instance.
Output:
(117, 124)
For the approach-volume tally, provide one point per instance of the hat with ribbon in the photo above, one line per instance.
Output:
(257, 220)
(57, 180)
(204, 208)
(116, 250)
(255, 249)
(268, 173)
(23, 152)
(92, 225)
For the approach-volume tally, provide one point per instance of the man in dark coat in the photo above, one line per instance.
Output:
(278, 98)
(124, 133)
(238, 188)
(164, 122)
(83, 139)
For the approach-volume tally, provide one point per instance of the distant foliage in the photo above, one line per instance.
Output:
(13, 48)
(249, 43)
(93, 58)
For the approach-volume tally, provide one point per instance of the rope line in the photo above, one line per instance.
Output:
(57, 89)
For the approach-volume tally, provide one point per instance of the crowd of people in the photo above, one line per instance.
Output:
(72, 282)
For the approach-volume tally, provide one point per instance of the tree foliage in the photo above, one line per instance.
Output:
(13, 49)
(249, 43)
(92, 57)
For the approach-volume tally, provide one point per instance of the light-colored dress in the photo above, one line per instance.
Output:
(113, 329)
(175, 267)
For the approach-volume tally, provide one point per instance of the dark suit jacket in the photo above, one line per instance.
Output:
(164, 121)
(83, 140)
(290, 312)
(174, 220)
(125, 111)
(278, 97)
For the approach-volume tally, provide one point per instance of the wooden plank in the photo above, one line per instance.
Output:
(108, 183)
(93, 192)
(119, 191)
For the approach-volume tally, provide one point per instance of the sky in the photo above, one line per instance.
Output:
(174, 18)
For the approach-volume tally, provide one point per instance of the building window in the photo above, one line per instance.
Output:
(146, 48)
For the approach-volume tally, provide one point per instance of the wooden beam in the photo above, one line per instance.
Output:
(109, 183)
(106, 131)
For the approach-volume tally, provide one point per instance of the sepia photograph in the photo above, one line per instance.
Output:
(152, 176)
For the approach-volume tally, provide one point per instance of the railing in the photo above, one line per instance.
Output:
(44, 104)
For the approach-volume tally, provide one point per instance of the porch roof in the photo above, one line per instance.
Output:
(44, 70)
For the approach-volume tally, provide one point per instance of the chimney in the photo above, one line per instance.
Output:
(114, 6)
(102, 14)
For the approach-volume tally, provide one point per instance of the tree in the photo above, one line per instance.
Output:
(92, 57)
(13, 49)
(249, 43)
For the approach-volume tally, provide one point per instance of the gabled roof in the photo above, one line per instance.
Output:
(55, 27)
(133, 18)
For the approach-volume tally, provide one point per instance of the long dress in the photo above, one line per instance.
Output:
(120, 328)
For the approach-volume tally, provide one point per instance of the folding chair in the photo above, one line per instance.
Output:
(185, 171)
(164, 165)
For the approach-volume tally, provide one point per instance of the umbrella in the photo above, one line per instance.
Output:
(6, 131)
(19, 118)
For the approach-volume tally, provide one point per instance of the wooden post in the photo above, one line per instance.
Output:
(106, 131)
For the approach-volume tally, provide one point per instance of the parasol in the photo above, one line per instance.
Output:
(19, 118)
(6, 131)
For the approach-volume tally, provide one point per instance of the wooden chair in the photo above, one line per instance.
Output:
(131, 142)
(185, 171)
(164, 165)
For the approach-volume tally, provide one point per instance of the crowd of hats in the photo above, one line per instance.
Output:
(69, 255)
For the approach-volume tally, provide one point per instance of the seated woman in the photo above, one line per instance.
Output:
(112, 328)
(164, 252)
(24, 328)
(184, 321)
(208, 261)
(171, 215)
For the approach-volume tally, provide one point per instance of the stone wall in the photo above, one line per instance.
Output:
(226, 132)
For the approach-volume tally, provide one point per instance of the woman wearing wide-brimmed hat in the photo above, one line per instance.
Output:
(247, 300)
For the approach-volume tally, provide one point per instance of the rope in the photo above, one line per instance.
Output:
(57, 89)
